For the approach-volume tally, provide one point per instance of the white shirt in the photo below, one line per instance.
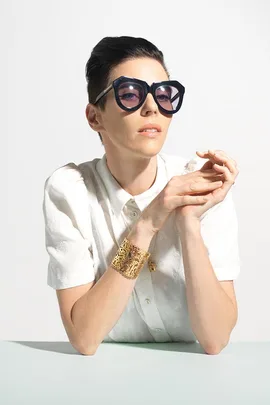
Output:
(86, 211)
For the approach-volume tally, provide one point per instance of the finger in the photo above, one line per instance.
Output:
(217, 177)
(228, 168)
(195, 187)
(212, 153)
(226, 172)
(205, 175)
(227, 162)
(222, 153)
(221, 158)
(190, 200)
(210, 177)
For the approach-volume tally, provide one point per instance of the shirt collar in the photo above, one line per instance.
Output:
(119, 197)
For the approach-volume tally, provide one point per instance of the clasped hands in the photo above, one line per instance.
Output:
(226, 168)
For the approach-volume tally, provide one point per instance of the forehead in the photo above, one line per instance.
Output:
(147, 69)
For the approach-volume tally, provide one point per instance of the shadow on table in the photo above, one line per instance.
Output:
(57, 347)
(185, 347)
(67, 348)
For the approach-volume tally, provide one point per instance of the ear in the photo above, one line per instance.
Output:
(93, 117)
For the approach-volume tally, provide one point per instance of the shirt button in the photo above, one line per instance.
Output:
(134, 214)
(148, 300)
(158, 329)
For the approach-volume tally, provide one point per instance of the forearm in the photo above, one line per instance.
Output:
(96, 312)
(211, 311)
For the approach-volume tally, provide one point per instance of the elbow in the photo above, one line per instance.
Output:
(86, 350)
(82, 344)
(214, 349)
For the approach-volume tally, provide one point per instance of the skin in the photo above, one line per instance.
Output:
(224, 166)
(131, 158)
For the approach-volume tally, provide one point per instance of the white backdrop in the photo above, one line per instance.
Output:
(220, 51)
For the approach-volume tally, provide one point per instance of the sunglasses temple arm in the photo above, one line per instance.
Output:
(103, 93)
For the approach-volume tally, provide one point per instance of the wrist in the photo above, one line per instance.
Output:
(140, 236)
(145, 226)
(188, 224)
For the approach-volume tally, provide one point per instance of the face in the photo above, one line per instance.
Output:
(119, 128)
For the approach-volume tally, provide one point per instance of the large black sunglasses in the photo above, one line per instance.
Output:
(130, 93)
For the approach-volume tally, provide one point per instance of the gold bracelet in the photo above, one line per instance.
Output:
(129, 259)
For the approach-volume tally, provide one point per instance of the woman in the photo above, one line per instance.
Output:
(143, 246)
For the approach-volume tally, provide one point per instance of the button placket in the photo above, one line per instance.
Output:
(144, 289)
(133, 214)
(148, 300)
(151, 315)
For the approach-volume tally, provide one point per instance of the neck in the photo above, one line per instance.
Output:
(134, 175)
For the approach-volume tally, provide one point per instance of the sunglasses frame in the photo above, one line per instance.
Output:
(147, 89)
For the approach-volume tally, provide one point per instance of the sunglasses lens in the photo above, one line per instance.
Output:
(130, 94)
(168, 97)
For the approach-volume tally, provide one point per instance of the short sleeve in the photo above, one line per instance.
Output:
(67, 229)
(219, 229)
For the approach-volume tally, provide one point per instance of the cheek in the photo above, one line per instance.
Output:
(167, 121)
(114, 119)
(126, 123)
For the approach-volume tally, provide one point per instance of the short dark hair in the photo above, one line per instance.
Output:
(107, 54)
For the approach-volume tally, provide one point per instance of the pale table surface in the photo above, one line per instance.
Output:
(134, 373)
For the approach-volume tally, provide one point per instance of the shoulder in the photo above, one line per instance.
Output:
(64, 180)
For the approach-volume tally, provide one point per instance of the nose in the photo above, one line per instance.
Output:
(149, 104)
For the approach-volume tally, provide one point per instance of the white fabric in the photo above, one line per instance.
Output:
(86, 214)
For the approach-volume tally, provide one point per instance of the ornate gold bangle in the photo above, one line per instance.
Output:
(129, 259)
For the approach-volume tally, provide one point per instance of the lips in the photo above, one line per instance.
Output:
(150, 126)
